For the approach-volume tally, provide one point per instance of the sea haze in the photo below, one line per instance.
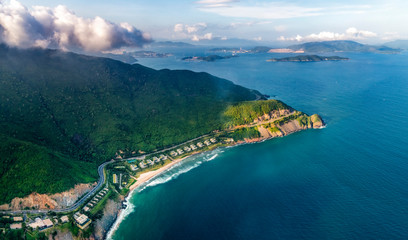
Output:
(346, 181)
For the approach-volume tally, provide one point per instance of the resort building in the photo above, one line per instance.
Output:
(115, 179)
(193, 147)
(156, 159)
(86, 209)
(82, 221)
(179, 151)
(133, 167)
(173, 153)
(16, 226)
(37, 224)
(187, 149)
(150, 162)
(206, 142)
(48, 223)
(142, 165)
(17, 219)
(64, 219)
(163, 157)
(213, 140)
(200, 145)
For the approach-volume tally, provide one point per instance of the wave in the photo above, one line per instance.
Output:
(178, 170)
(122, 216)
(166, 176)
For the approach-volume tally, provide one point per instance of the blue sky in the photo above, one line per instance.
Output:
(285, 21)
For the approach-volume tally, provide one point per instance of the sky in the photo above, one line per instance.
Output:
(135, 22)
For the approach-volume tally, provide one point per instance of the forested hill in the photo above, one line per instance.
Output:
(61, 114)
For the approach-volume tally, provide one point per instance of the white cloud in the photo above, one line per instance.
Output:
(216, 3)
(207, 36)
(195, 32)
(350, 34)
(266, 11)
(61, 28)
(275, 10)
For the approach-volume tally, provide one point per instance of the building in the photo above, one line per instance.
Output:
(115, 178)
(64, 219)
(37, 224)
(48, 223)
(16, 226)
(179, 151)
(192, 146)
(213, 140)
(163, 157)
(187, 149)
(17, 219)
(150, 162)
(200, 145)
(173, 153)
(142, 165)
(206, 142)
(156, 159)
(86, 209)
(81, 220)
(133, 167)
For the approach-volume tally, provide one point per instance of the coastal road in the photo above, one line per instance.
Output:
(76, 204)
(95, 189)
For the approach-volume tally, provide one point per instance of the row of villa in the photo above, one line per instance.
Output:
(95, 200)
(192, 147)
(37, 223)
(148, 162)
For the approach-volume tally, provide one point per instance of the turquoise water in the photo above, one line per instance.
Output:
(346, 181)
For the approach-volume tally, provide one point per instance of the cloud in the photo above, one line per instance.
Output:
(350, 34)
(265, 11)
(216, 3)
(275, 10)
(195, 32)
(61, 28)
(207, 36)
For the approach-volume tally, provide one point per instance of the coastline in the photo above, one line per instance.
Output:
(142, 179)
(145, 177)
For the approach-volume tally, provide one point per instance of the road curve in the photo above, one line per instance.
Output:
(76, 204)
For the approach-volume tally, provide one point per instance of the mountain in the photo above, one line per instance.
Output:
(307, 58)
(62, 114)
(403, 44)
(341, 46)
(210, 58)
(170, 44)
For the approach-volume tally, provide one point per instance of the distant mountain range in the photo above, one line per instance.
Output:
(341, 46)
(403, 44)
(307, 58)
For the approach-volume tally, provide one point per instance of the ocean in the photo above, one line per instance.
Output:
(346, 181)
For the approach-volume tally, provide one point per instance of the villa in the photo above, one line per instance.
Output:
(173, 153)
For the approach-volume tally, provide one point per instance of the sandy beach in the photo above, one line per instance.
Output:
(149, 175)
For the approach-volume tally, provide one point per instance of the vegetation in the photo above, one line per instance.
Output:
(210, 58)
(247, 112)
(245, 133)
(62, 114)
(307, 58)
(341, 46)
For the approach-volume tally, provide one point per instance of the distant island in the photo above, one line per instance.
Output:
(148, 54)
(307, 58)
(210, 58)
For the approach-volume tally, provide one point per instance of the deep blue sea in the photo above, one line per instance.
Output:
(346, 181)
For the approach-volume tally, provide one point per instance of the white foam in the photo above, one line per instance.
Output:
(122, 216)
(164, 177)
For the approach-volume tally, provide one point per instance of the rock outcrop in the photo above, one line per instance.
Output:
(44, 201)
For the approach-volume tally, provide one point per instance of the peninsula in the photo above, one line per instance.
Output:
(106, 128)
(307, 58)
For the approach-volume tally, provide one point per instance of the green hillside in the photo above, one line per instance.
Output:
(62, 114)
